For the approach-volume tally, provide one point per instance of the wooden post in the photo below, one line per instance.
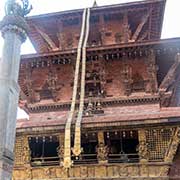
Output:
(142, 148)
(102, 150)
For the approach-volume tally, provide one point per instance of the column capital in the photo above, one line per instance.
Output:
(16, 24)
(14, 20)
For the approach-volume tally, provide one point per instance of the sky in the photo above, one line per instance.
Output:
(171, 24)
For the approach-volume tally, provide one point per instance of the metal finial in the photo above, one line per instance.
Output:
(95, 4)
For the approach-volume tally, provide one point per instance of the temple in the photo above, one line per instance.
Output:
(103, 96)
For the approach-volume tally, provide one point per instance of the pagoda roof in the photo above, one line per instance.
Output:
(124, 116)
(44, 28)
(99, 8)
(157, 44)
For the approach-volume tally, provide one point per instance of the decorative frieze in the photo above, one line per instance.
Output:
(122, 171)
(22, 151)
(18, 150)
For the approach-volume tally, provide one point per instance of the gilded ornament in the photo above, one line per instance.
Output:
(102, 152)
(143, 150)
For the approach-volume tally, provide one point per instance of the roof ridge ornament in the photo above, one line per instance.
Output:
(12, 7)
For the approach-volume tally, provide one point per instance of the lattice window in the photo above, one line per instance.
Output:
(158, 141)
(18, 150)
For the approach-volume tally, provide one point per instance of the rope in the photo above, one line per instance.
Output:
(77, 141)
(67, 143)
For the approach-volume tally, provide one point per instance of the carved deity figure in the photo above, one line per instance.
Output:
(53, 85)
(60, 151)
(127, 78)
(102, 152)
(14, 8)
(143, 150)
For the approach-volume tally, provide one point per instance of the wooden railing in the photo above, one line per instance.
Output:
(86, 159)
(45, 161)
(123, 158)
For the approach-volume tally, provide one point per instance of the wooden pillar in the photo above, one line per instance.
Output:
(102, 149)
(101, 137)
(61, 148)
(142, 148)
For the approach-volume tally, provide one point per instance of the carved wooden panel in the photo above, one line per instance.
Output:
(125, 171)
(18, 151)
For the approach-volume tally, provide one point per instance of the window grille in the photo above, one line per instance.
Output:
(158, 141)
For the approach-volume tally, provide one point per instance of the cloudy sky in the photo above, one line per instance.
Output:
(171, 25)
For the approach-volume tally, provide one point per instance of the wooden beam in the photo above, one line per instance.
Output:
(170, 76)
(140, 26)
(46, 37)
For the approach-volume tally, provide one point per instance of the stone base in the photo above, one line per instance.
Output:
(6, 168)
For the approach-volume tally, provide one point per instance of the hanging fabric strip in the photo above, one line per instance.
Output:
(67, 143)
(77, 141)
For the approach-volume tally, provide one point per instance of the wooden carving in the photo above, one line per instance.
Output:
(143, 147)
(53, 85)
(171, 151)
(26, 151)
(102, 152)
(146, 171)
(126, 30)
(151, 85)
(170, 76)
(127, 78)
(143, 151)
(140, 26)
(51, 45)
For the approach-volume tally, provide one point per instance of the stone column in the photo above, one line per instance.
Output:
(13, 28)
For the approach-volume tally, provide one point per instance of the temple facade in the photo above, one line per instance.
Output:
(103, 95)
